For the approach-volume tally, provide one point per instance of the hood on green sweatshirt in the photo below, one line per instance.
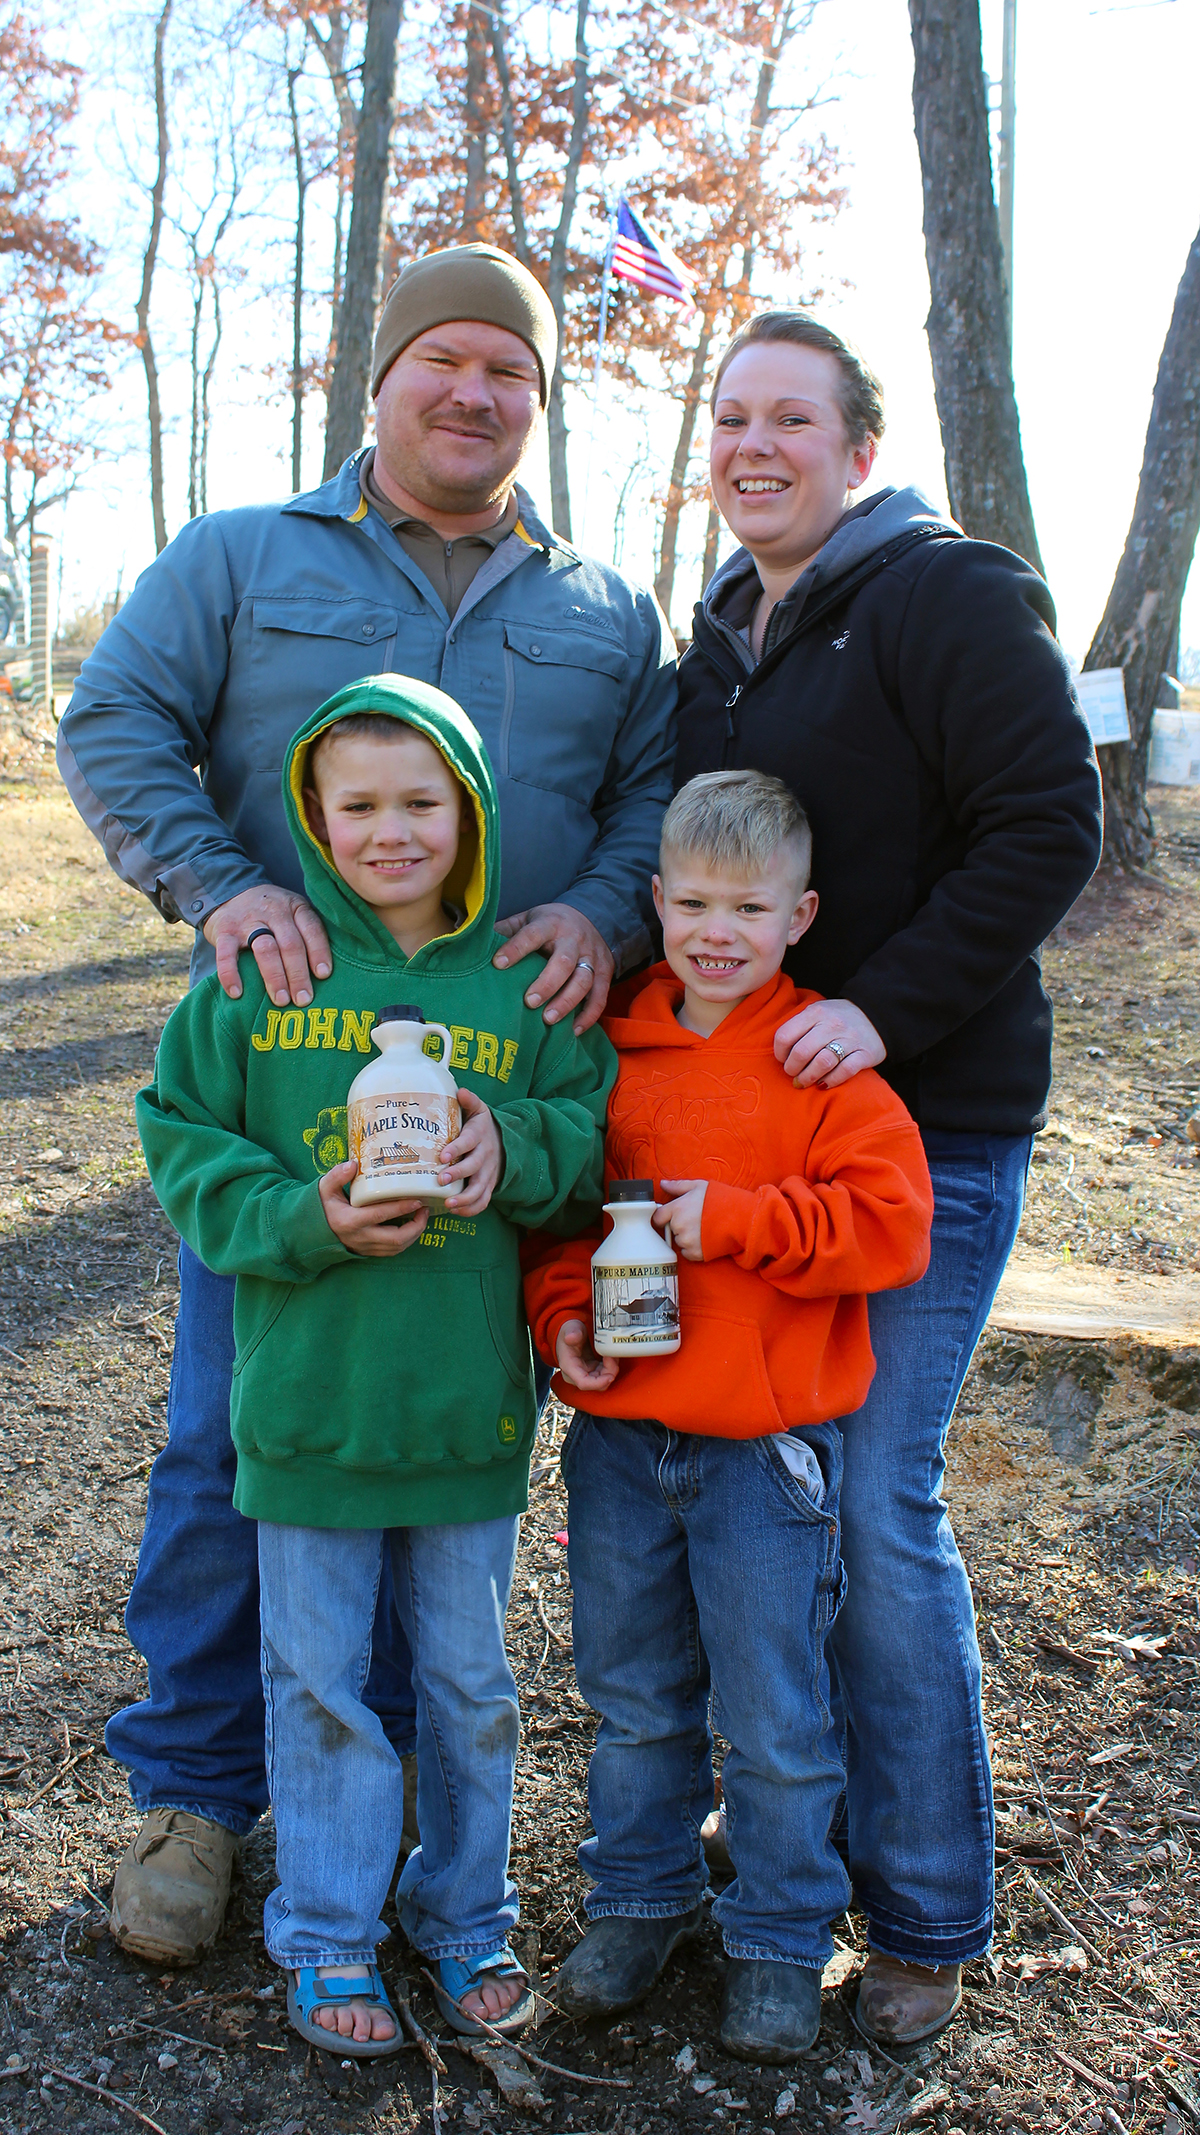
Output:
(473, 885)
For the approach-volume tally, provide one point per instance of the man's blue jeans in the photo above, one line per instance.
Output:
(337, 1787)
(703, 1565)
(921, 1830)
(196, 1742)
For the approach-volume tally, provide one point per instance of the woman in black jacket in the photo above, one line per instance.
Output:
(907, 685)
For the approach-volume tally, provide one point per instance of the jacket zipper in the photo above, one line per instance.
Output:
(774, 658)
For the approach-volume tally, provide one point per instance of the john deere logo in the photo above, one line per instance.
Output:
(327, 1139)
(506, 1430)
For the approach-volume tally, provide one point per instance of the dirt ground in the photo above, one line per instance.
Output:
(1073, 1484)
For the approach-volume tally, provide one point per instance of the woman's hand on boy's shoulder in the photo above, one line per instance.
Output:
(378, 1231)
(685, 1215)
(829, 1042)
(578, 1362)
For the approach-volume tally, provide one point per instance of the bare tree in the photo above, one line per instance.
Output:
(508, 133)
(302, 184)
(475, 115)
(149, 260)
(556, 422)
(350, 383)
(332, 48)
(1140, 625)
(968, 325)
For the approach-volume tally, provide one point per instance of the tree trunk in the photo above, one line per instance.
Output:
(664, 584)
(350, 385)
(473, 231)
(1141, 622)
(508, 136)
(149, 257)
(968, 315)
(297, 281)
(712, 541)
(205, 394)
(560, 493)
(332, 48)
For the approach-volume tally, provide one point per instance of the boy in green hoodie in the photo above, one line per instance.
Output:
(383, 1391)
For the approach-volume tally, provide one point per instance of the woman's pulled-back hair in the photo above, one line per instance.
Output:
(737, 820)
(860, 392)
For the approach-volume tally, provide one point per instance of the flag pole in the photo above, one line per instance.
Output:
(605, 291)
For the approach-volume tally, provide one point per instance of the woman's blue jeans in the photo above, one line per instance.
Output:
(196, 1741)
(920, 1822)
(701, 1566)
(337, 1786)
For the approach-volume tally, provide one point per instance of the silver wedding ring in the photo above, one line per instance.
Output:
(583, 965)
(838, 1051)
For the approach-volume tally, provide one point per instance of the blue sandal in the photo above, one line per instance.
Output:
(459, 1976)
(307, 1994)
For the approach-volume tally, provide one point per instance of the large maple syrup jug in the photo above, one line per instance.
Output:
(635, 1283)
(402, 1108)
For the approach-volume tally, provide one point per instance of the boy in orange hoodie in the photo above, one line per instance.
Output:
(704, 1485)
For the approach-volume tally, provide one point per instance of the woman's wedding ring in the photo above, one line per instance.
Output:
(838, 1051)
(583, 965)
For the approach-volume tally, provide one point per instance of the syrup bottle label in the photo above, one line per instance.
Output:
(634, 1304)
(395, 1137)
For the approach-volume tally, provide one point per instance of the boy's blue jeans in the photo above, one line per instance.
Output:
(196, 1742)
(337, 1787)
(697, 1563)
(921, 1829)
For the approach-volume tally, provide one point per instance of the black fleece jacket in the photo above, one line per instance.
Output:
(913, 696)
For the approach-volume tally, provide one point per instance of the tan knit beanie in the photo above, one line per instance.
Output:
(465, 282)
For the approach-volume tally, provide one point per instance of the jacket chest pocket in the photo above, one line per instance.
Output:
(565, 694)
(301, 652)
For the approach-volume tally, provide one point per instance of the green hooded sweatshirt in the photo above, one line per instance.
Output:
(367, 1392)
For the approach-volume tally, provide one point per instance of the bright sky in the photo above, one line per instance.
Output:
(1107, 204)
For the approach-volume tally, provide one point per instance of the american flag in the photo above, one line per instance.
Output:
(646, 261)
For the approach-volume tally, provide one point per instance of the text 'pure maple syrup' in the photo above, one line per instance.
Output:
(635, 1281)
(401, 1111)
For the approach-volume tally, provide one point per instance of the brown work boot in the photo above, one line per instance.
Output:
(172, 1888)
(900, 2004)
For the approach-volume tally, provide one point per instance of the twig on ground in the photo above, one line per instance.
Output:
(97, 2090)
(14, 1353)
(62, 1949)
(205, 2045)
(1086, 2075)
(60, 1773)
(502, 2038)
(1176, 2092)
(239, 1994)
(421, 2038)
(559, 1640)
(1060, 1919)
(1113, 2120)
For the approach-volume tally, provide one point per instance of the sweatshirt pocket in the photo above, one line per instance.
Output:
(733, 1394)
(386, 1375)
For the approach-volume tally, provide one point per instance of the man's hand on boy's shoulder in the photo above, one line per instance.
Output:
(828, 1043)
(288, 938)
(685, 1215)
(579, 968)
(378, 1231)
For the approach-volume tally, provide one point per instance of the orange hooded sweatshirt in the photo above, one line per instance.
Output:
(816, 1197)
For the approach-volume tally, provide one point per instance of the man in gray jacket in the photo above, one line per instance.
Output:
(423, 557)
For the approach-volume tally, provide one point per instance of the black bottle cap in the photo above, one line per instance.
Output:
(402, 1012)
(631, 1190)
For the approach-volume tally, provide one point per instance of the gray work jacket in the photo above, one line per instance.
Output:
(172, 744)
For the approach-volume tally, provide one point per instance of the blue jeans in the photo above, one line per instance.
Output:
(337, 1787)
(702, 1564)
(921, 1829)
(196, 1742)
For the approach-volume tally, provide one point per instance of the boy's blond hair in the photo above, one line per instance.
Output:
(737, 820)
